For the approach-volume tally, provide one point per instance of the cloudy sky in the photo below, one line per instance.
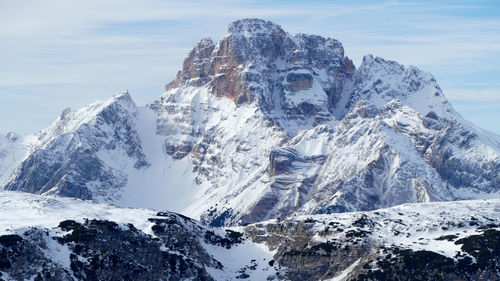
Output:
(57, 54)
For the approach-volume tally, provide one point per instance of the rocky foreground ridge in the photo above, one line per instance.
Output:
(67, 239)
(261, 125)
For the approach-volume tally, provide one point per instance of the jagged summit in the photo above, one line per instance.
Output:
(381, 80)
(298, 79)
(251, 27)
(301, 77)
(67, 156)
(123, 95)
(264, 124)
(71, 121)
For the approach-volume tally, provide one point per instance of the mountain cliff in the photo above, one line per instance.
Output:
(264, 124)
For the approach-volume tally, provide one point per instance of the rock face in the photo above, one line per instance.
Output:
(259, 62)
(102, 250)
(264, 124)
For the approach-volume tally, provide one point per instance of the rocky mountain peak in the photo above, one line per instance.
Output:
(106, 111)
(122, 99)
(124, 96)
(252, 27)
(70, 148)
(299, 78)
(381, 81)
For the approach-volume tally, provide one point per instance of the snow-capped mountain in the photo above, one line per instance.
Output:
(72, 157)
(265, 124)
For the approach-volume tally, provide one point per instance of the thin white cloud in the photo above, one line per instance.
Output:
(492, 94)
(16, 95)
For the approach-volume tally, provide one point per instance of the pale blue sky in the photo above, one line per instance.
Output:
(57, 54)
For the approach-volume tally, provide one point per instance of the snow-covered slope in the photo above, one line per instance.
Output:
(13, 150)
(69, 235)
(265, 124)
(72, 239)
(430, 241)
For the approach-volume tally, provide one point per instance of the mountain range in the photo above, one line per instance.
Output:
(264, 127)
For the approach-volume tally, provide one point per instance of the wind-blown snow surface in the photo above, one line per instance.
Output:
(416, 226)
(263, 125)
(21, 210)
